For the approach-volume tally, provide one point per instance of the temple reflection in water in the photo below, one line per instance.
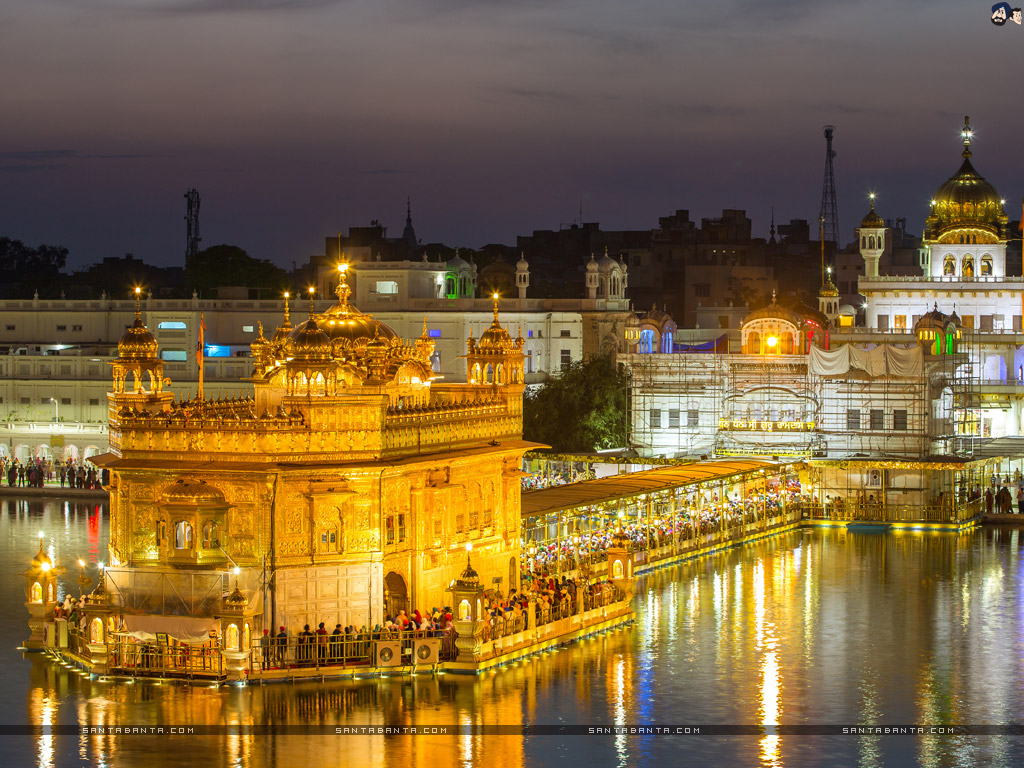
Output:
(815, 627)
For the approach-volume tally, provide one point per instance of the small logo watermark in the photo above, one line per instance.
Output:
(1002, 13)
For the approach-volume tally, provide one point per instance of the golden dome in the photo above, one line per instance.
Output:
(344, 323)
(936, 321)
(260, 346)
(308, 342)
(872, 220)
(137, 343)
(965, 204)
(193, 493)
(495, 339)
(236, 599)
(829, 288)
(41, 557)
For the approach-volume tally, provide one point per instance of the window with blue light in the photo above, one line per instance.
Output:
(434, 333)
(529, 334)
(171, 325)
(213, 350)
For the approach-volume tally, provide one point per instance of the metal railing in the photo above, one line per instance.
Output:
(345, 650)
(143, 659)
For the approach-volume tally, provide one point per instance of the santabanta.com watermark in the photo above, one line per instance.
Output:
(529, 730)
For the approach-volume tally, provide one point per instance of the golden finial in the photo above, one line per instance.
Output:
(312, 293)
(496, 297)
(138, 301)
(287, 311)
(343, 289)
(967, 134)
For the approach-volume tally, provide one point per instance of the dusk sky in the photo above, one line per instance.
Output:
(299, 119)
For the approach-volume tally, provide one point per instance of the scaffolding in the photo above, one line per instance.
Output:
(675, 403)
(879, 433)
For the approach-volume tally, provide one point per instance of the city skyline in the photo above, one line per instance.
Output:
(296, 120)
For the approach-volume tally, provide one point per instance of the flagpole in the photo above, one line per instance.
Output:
(200, 350)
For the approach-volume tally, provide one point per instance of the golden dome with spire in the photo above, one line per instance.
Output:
(261, 347)
(966, 208)
(137, 343)
(872, 220)
(344, 323)
(281, 334)
(495, 339)
(308, 342)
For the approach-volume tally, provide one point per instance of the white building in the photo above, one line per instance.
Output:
(937, 369)
(55, 354)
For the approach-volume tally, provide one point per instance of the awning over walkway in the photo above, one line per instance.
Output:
(998, 448)
(636, 484)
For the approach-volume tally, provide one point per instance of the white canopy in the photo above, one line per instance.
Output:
(185, 629)
(883, 360)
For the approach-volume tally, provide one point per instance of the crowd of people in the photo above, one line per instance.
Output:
(36, 473)
(551, 479)
(550, 598)
(693, 519)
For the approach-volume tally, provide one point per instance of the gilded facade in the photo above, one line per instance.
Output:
(346, 484)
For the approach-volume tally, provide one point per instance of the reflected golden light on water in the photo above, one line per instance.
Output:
(769, 689)
(619, 705)
(802, 629)
(758, 584)
(43, 704)
(771, 753)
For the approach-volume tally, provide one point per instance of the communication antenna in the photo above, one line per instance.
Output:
(829, 212)
(192, 238)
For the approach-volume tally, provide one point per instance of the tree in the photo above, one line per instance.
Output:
(22, 265)
(583, 410)
(223, 265)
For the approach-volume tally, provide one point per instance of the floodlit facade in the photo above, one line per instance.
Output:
(344, 482)
(937, 370)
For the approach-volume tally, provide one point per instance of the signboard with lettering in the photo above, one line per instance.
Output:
(755, 425)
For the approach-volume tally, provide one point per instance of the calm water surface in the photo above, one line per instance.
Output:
(821, 627)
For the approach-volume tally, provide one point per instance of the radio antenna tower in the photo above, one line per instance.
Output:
(829, 213)
(192, 238)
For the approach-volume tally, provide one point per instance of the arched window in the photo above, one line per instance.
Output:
(50, 597)
(863, 242)
(986, 265)
(464, 610)
(949, 265)
(787, 344)
(646, 345)
(231, 638)
(871, 240)
(37, 593)
(968, 268)
(96, 630)
(210, 538)
(182, 535)
(754, 343)
(246, 637)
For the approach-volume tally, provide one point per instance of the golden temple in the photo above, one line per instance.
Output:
(347, 485)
